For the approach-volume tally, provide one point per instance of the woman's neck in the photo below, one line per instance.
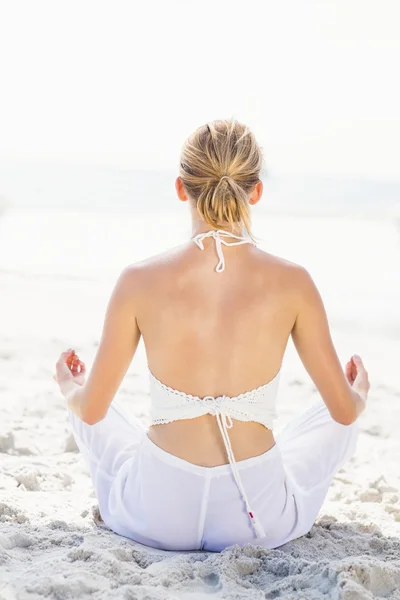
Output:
(202, 227)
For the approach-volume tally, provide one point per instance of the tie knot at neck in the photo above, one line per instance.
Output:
(218, 235)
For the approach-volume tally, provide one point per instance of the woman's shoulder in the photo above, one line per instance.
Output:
(155, 264)
(287, 268)
(286, 277)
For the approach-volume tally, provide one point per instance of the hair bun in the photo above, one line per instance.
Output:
(225, 146)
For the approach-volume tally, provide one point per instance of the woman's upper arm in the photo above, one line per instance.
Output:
(313, 342)
(118, 343)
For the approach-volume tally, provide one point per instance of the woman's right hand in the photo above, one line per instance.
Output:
(357, 376)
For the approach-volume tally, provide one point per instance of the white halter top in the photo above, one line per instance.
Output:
(256, 405)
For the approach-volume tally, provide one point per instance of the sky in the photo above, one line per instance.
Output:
(123, 83)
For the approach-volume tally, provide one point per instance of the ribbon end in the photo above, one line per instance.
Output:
(199, 243)
(258, 528)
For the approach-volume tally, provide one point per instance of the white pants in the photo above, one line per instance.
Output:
(163, 501)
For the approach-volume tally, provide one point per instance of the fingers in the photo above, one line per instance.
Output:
(78, 367)
(349, 372)
(70, 360)
(358, 362)
(353, 369)
(356, 374)
(75, 364)
(64, 356)
(362, 381)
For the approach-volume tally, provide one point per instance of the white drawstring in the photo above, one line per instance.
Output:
(216, 234)
(223, 424)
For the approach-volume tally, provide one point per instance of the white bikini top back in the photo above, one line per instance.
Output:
(258, 405)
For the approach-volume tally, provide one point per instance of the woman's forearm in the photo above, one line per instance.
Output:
(77, 403)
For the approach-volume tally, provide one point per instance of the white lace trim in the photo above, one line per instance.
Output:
(243, 396)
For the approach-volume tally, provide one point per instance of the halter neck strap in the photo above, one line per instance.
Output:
(218, 235)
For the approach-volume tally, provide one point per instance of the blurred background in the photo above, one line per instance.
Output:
(97, 98)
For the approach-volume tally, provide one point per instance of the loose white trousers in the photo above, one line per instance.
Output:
(163, 501)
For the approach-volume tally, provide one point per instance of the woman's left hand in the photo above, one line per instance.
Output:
(70, 371)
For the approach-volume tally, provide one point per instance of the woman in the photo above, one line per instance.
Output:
(215, 314)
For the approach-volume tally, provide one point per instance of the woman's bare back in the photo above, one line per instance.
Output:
(209, 333)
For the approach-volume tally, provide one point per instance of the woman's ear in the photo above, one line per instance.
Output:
(256, 193)
(180, 190)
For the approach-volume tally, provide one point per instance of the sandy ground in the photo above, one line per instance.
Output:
(52, 544)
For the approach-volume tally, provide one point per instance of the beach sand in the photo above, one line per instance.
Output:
(52, 542)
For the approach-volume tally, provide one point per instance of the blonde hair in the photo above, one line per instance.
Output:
(220, 165)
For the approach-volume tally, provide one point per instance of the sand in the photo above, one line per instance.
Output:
(52, 541)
